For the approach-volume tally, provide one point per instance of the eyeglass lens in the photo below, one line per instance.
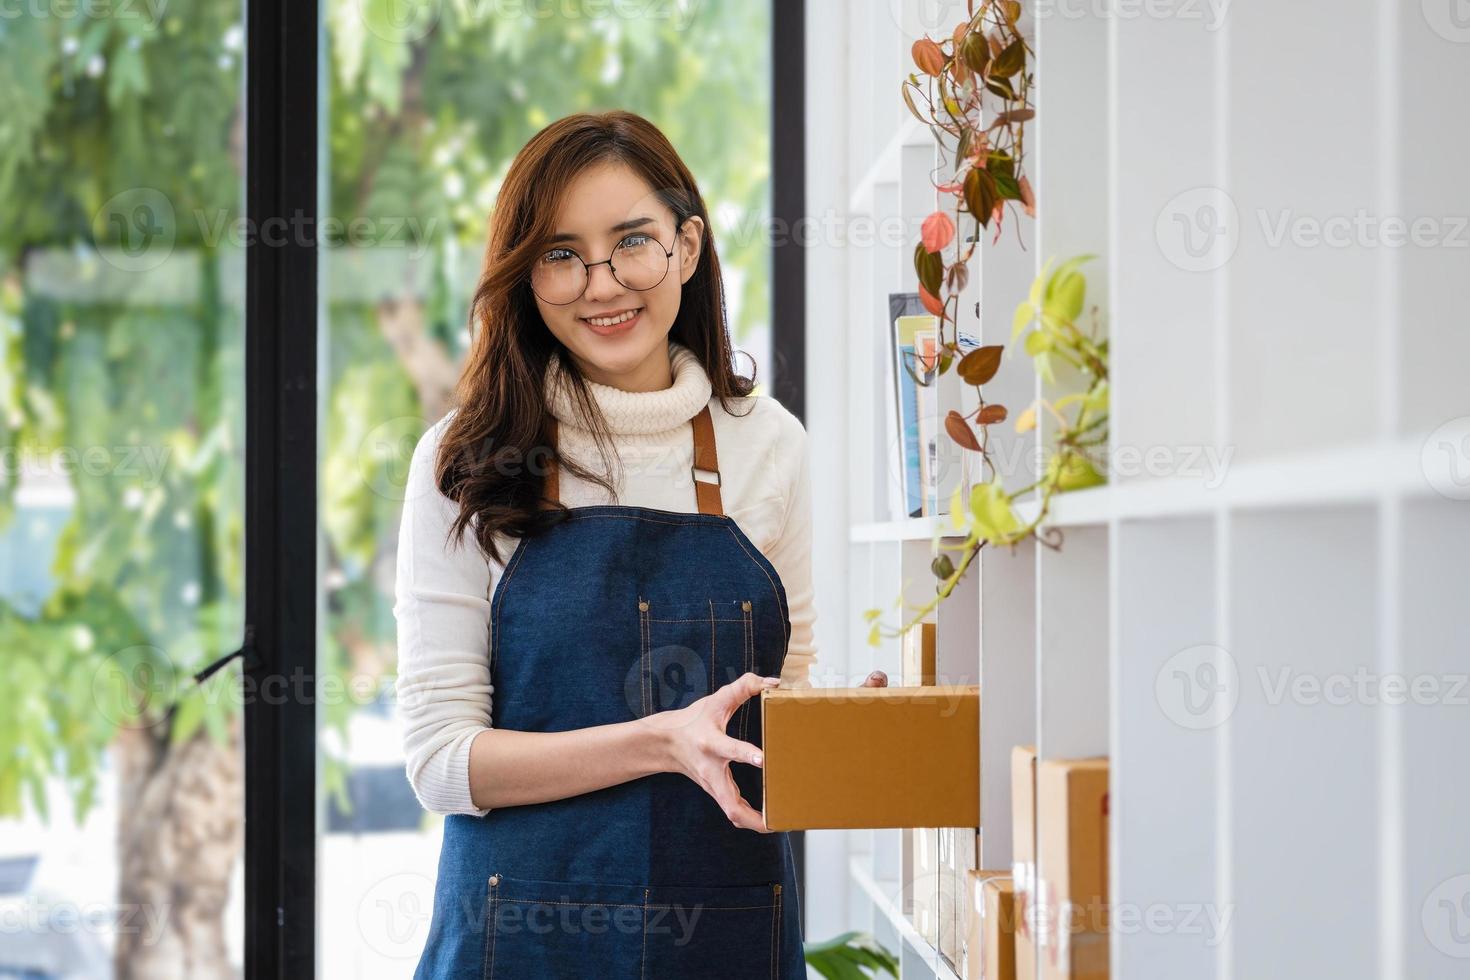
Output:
(638, 262)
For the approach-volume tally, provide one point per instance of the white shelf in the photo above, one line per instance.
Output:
(884, 169)
(1363, 474)
(882, 900)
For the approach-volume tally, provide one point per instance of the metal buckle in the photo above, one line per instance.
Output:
(716, 481)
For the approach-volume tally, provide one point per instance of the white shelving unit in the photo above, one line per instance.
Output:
(1290, 523)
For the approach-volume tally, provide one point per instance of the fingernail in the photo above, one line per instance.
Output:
(770, 681)
(755, 760)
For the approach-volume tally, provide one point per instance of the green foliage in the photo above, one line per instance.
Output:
(146, 582)
(850, 956)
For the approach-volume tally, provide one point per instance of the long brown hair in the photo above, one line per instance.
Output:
(493, 455)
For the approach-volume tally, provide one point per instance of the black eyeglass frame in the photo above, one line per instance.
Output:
(587, 269)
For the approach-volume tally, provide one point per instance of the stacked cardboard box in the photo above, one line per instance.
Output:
(990, 942)
(1023, 855)
(1072, 842)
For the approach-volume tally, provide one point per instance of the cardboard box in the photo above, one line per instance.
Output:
(1023, 855)
(1072, 843)
(854, 757)
(918, 646)
(921, 890)
(990, 941)
(957, 859)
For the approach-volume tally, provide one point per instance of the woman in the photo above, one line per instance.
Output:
(617, 621)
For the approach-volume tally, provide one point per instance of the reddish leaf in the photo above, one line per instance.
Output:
(991, 414)
(938, 231)
(959, 430)
(1028, 197)
(930, 303)
(980, 365)
(929, 57)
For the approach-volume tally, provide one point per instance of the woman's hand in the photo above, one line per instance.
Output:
(702, 751)
(876, 679)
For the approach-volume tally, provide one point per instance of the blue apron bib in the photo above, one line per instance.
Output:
(617, 613)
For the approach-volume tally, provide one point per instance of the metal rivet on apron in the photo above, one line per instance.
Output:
(495, 880)
(643, 605)
(778, 889)
(745, 605)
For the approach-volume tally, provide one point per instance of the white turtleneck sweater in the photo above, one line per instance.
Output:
(442, 597)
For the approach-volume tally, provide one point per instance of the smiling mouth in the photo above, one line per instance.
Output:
(613, 320)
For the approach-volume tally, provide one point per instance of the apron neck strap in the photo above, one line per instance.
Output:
(706, 494)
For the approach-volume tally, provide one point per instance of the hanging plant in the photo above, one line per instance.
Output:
(1058, 326)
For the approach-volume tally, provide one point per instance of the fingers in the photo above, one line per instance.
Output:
(876, 679)
(739, 812)
(736, 750)
(742, 688)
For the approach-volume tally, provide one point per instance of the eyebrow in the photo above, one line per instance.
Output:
(563, 236)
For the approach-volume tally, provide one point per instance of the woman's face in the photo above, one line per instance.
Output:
(611, 212)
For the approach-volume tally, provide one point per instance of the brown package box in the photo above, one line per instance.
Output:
(854, 757)
(990, 951)
(1072, 839)
(1023, 855)
(918, 654)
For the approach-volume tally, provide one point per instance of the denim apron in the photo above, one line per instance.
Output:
(617, 613)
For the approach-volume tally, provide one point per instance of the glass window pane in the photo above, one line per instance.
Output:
(121, 476)
(426, 112)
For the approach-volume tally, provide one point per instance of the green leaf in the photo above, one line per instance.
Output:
(1025, 313)
(1038, 343)
(994, 518)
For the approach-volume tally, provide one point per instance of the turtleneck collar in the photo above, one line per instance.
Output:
(635, 412)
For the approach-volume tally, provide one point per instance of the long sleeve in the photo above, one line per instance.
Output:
(443, 612)
(791, 553)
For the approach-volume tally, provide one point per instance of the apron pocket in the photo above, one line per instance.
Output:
(689, 648)
(541, 930)
(699, 931)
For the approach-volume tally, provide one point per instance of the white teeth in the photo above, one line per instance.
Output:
(607, 321)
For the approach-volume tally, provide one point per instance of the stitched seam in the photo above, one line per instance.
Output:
(701, 619)
(774, 915)
(635, 905)
(643, 666)
(713, 643)
(774, 591)
(500, 591)
(643, 964)
(489, 967)
(749, 654)
(777, 948)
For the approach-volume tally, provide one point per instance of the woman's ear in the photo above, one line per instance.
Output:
(691, 246)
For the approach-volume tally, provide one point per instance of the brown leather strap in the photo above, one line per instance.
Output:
(705, 458)
(706, 495)
(552, 491)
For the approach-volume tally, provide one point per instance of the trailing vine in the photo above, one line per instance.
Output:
(975, 98)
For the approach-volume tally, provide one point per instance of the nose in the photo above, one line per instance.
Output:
(601, 284)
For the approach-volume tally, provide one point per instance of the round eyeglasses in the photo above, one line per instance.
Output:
(638, 262)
